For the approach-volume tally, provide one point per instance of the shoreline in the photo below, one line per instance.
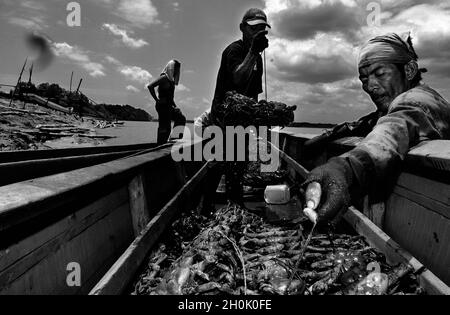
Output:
(26, 126)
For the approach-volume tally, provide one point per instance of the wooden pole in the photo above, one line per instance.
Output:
(18, 81)
(71, 77)
(31, 73)
(79, 84)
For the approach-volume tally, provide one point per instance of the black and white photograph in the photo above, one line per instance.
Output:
(230, 155)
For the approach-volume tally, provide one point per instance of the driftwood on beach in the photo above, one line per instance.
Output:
(66, 134)
(65, 130)
(54, 126)
(17, 111)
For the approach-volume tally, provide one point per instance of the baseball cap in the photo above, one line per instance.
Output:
(255, 16)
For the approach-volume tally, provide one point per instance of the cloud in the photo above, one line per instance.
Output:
(28, 14)
(313, 40)
(139, 13)
(135, 73)
(126, 39)
(132, 89)
(79, 57)
(305, 19)
(323, 102)
(322, 60)
(430, 27)
(176, 6)
(314, 44)
(34, 23)
(132, 73)
(33, 5)
(183, 88)
(113, 60)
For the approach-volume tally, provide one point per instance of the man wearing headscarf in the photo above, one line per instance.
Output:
(409, 112)
(165, 104)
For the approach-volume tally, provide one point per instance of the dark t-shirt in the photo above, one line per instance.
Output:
(232, 57)
(166, 91)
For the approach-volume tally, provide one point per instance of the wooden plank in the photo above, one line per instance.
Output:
(21, 202)
(47, 103)
(430, 204)
(14, 156)
(121, 273)
(434, 154)
(138, 204)
(14, 172)
(431, 194)
(21, 266)
(25, 247)
(394, 253)
(109, 236)
(424, 233)
(375, 212)
(378, 214)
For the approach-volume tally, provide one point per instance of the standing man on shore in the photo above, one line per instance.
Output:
(241, 70)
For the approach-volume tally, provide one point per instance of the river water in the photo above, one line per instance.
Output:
(133, 132)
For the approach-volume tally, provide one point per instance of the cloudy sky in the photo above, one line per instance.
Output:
(123, 44)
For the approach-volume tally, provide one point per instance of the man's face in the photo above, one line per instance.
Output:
(383, 82)
(251, 30)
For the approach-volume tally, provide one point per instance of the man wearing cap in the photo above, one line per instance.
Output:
(410, 112)
(241, 70)
(241, 67)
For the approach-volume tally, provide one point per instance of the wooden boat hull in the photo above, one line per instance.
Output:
(87, 216)
(106, 218)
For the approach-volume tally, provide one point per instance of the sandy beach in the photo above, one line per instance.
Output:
(25, 126)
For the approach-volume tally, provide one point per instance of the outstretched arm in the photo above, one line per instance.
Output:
(373, 161)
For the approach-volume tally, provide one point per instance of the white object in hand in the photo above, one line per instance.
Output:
(311, 205)
(311, 214)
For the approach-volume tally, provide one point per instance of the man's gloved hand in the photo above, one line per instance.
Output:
(327, 189)
(259, 42)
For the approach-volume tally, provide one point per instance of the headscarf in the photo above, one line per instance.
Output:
(390, 48)
(169, 72)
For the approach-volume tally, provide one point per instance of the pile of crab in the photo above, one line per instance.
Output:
(237, 253)
(239, 110)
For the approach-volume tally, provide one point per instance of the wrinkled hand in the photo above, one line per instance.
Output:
(260, 42)
(327, 189)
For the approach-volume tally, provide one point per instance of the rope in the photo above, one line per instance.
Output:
(265, 75)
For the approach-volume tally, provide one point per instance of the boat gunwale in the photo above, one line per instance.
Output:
(25, 201)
